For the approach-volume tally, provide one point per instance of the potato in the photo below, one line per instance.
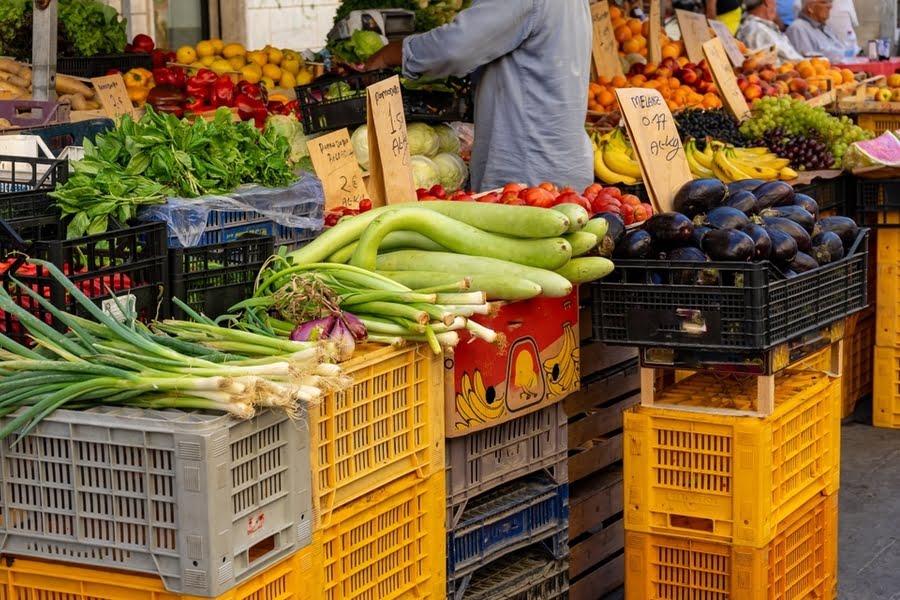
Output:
(68, 85)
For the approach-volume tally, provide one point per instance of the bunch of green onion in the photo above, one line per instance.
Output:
(392, 313)
(176, 364)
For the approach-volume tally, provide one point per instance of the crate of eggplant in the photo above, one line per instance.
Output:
(738, 267)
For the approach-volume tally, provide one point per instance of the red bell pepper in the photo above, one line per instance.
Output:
(179, 76)
(276, 107)
(223, 91)
(198, 105)
(251, 90)
(205, 77)
(260, 114)
(246, 106)
(143, 43)
(160, 58)
(163, 76)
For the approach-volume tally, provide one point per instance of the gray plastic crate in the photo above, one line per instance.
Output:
(203, 500)
(529, 574)
(482, 460)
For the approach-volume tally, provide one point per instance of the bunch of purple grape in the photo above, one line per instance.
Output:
(805, 153)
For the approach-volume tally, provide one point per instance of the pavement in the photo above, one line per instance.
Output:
(869, 512)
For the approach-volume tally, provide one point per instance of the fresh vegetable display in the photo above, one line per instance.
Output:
(86, 28)
(418, 272)
(728, 163)
(176, 364)
(162, 156)
(747, 220)
(15, 84)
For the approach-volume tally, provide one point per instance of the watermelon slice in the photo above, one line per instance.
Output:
(881, 151)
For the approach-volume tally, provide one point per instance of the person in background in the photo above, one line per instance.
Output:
(533, 62)
(758, 30)
(727, 11)
(787, 11)
(844, 21)
(811, 36)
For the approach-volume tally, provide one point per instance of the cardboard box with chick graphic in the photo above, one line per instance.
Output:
(535, 365)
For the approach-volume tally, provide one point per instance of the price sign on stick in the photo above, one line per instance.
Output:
(723, 74)
(390, 174)
(605, 53)
(113, 95)
(335, 163)
(728, 42)
(694, 32)
(656, 143)
(654, 47)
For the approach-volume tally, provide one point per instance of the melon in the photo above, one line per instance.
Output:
(881, 151)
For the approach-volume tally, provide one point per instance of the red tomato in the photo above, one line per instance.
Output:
(631, 200)
(627, 214)
(573, 198)
(539, 197)
(546, 185)
(491, 198)
(365, 205)
(640, 214)
(515, 188)
(591, 191)
(613, 191)
(648, 210)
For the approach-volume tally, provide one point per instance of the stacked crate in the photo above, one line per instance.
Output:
(610, 384)
(886, 375)
(507, 504)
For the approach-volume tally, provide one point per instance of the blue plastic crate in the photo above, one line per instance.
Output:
(293, 238)
(506, 519)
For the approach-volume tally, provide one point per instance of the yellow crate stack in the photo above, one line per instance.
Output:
(886, 363)
(722, 501)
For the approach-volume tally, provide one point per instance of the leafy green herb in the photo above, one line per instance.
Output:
(161, 156)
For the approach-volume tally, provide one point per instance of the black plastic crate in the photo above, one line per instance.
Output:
(97, 66)
(878, 202)
(829, 194)
(58, 137)
(132, 262)
(529, 574)
(749, 306)
(347, 106)
(25, 183)
(213, 278)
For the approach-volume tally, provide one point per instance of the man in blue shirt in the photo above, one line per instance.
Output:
(533, 62)
(811, 36)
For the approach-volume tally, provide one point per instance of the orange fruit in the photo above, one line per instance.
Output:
(645, 28)
(670, 51)
(615, 12)
(630, 46)
(638, 80)
(635, 25)
(671, 104)
(640, 39)
(622, 33)
(606, 98)
(603, 80)
(847, 76)
(619, 81)
(836, 76)
(643, 52)
(682, 60)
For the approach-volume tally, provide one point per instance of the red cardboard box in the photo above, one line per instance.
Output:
(487, 384)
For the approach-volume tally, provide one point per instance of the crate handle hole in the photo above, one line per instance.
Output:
(261, 548)
(692, 523)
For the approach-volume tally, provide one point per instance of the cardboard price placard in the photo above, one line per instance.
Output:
(723, 74)
(113, 95)
(654, 44)
(390, 175)
(728, 42)
(656, 143)
(335, 164)
(694, 32)
(605, 52)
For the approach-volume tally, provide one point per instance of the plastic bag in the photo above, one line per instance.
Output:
(299, 206)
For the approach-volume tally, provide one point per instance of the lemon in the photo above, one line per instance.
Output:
(268, 82)
(287, 80)
(218, 45)
(275, 56)
(220, 66)
(271, 71)
(252, 73)
(205, 48)
(304, 77)
(208, 60)
(186, 55)
(258, 57)
(232, 50)
(237, 62)
(290, 65)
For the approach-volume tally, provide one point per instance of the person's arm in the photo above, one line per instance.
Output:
(710, 9)
(478, 35)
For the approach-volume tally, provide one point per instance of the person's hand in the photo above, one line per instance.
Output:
(388, 57)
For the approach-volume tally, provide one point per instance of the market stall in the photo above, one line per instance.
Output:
(259, 338)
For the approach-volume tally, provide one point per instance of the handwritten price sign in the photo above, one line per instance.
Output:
(656, 143)
(725, 80)
(390, 176)
(335, 163)
(113, 95)
(605, 53)
(728, 42)
(694, 31)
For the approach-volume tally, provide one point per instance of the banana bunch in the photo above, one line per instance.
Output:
(614, 160)
(725, 162)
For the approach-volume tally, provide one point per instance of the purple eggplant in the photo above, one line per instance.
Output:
(827, 247)
(804, 242)
(699, 232)
(669, 229)
(807, 202)
(761, 241)
(698, 196)
(797, 214)
(728, 244)
(636, 244)
(744, 185)
(773, 193)
(784, 247)
(845, 227)
(802, 262)
(723, 217)
(743, 200)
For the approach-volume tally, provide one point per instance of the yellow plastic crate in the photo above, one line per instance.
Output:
(388, 424)
(699, 472)
(886, 388)
(798, 564)
(887, 294)
(859, 347)
(879, 122)
(389, 544)
(298, 577)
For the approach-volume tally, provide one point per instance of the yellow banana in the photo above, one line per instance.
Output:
(732, 173)
(705, 158)
(620, 141)
(690, 151)
(754, 150)
(606, 175)
(720, 174)
(753, 170)
(787, 174)
(618, 162)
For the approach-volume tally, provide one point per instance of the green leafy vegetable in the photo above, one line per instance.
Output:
(161, 156)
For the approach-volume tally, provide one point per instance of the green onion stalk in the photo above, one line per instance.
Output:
(173, 364)
(392, 313)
